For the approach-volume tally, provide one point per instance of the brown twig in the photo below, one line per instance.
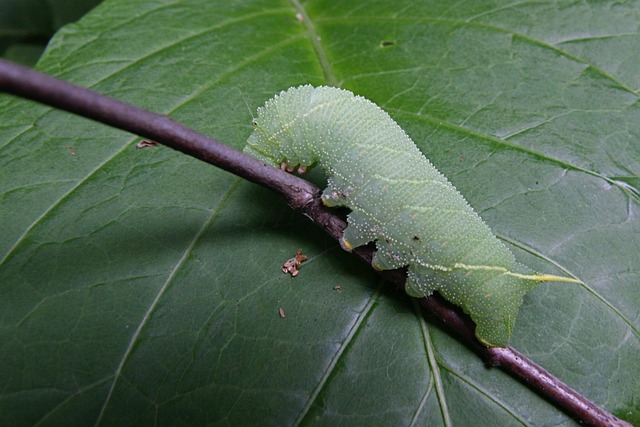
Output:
(300, 195)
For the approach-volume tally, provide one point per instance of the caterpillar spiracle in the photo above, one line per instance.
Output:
(398, 199)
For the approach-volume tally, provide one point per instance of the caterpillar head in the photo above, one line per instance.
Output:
(279, 137)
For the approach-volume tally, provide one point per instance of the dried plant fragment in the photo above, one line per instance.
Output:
(145, 143)
(292, 265)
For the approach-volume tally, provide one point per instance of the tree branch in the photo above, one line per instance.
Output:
(300, 195)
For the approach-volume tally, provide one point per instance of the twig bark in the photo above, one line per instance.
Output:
(300, 195)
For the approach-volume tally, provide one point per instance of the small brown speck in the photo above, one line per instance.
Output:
(145, 143)
(291, 265)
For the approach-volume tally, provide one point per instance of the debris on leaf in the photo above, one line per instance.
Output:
(146, 143)
(292, 265)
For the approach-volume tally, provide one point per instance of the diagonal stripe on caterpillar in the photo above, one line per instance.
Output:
(399, 200)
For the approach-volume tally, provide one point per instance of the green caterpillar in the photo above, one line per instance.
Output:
(399, 200)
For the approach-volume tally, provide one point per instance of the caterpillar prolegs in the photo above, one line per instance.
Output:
(399, 200)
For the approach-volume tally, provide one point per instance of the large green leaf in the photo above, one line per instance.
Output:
(143, 287)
